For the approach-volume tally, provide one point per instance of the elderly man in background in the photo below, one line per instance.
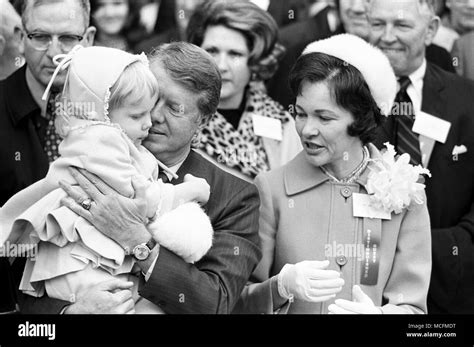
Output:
(348, 16)
(440, 138)
(28, 140)
(27, 134)
(10, 40)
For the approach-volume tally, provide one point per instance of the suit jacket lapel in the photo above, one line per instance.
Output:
(434, 103)
(433, 94)
(190, 165)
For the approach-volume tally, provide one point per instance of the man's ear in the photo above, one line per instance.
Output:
(2, 44)
(17, 34)
(22, 37)
(89, 36)
(202, 121)
(432, 29)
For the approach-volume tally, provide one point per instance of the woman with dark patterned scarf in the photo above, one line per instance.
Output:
(251, 133)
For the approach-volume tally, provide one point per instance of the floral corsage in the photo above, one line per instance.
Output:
(393, 183)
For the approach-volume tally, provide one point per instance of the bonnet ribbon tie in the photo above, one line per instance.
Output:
(63, 61)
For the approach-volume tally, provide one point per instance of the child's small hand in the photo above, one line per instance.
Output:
(200, 187)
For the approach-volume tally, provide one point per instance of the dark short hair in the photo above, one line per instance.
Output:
(256, 25)
(133, 31)
(348, 89)
(195, 70)
(27, 5)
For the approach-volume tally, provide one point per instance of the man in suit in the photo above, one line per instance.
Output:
(26, 122)
(403, 29)
(349, 16)
(188, 98)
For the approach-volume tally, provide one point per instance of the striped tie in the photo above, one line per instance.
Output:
(406, 140)
(52, 139)
(163, 177)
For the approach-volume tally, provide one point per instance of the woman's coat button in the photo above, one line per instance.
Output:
(346, 192)
(341, 260)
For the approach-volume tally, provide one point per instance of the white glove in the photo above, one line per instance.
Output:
(309, 281)
(362, 304)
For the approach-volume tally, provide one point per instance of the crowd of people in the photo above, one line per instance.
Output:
(219, 156)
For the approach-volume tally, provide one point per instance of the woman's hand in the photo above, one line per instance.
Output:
(120, 218)
(362, 304)
(309, 281)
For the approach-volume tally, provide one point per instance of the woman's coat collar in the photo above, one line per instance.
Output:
(299, 175)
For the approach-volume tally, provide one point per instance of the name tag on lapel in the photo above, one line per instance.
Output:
(430, 126)
(267, 127)
(362, 208)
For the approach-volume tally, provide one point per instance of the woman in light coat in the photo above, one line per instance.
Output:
(343, 227)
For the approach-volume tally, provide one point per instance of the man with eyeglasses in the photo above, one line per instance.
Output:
(28, 142)
(435, 128)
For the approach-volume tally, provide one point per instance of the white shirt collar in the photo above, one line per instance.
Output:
(415, 89)
(174, 169)
(417, 76)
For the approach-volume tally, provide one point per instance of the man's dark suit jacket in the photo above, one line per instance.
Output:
(214, 284)
(22, 158)
(450, 191)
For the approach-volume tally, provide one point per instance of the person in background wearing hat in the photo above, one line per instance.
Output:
(343, 228)
(443, 102)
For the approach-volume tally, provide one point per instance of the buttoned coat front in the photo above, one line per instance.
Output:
(305, 216)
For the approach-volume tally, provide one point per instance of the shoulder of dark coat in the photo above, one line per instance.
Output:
(217, 178)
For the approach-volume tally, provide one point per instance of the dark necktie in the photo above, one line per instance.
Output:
(406, 140)
(52, 139)
(163, 177)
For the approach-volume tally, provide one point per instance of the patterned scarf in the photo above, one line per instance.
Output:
(240, 148)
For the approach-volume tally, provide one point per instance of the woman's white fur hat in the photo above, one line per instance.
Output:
(369, 60)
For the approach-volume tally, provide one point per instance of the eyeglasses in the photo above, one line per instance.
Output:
(41, 41)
